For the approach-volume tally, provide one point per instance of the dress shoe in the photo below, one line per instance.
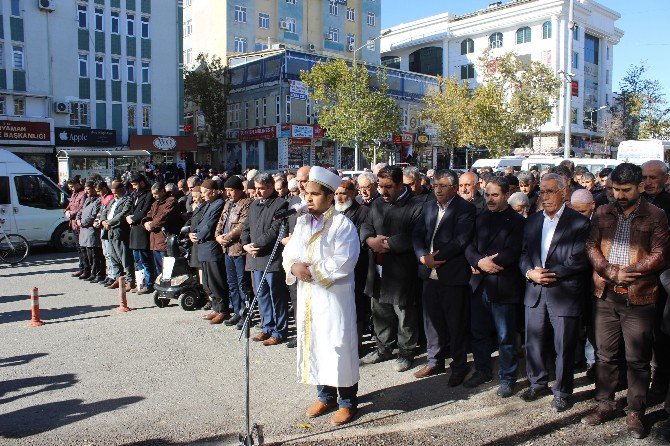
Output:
(428, 370)
(107, 282)
(560, 404)
(85, 276)
(273, 341)
(240, 324)
(234, 319)
(532, 394)
(317, 409)
(114, 285)
(505, 390)
(375, 357)
(209, 316)
(147, 290)
(344, 415)
(78, 273)
(95, 279)
(403, 363)
(634, 425)
(600, 416)
(293, 343)
(261, 337)
(478, 378)
(664, 431)
(456, 379)
(219, 318)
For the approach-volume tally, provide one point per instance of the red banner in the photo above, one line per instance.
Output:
(268, 132)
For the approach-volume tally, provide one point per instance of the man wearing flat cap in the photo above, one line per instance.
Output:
(321, 256)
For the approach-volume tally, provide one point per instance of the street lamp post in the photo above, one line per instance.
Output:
(355, 67)
(568, 82)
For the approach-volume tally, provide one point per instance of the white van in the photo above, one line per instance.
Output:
(32, 205)
(485, 162)
(594, 165)
(509, 161)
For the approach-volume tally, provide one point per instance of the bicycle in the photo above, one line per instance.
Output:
(14, 248)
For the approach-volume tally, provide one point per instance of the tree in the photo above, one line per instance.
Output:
(495, 123)
(349, 108)
(207, 86)
(448, 109)
(612, 129)
(641, 104)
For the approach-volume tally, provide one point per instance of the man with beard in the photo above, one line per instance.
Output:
(627, 247)
(89, 235)
(527, 185)
(412, 179)
(77, 199)
(345, 203)
(367, 187)
(468, 189)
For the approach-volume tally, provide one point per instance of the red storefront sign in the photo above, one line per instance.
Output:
(28, 132)
(575, 88)
(301, 142)
(404, 138)
(154, 143)
(318, 131)
(268, 132)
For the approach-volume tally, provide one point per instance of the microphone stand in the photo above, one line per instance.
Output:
(247, 437)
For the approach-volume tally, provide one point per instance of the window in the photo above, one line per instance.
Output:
(607, 77)
(145, 27)
(278, 108)
(240, 45)
(188, 27)
(496, 40)
(351, 42)
(546, 30)
(523, 35)
(99, 21)
(371, 45)
(575, 60)
(116, 71)
(371, 18)
(333, 7)
(2, 57)
(240, 14)
(468, 71)
(265, 111)
(290, 2)
(82, 16)
(130, 71)
(79, 113)
(290, 25)
(264, 21)
(83, 65)
(4, 183)
(574, 116)
(3, 111)
(288, 108)
(257, 115)
(17, 58)
(16, 8)
(575, 32)
(591, 49)
(608, 52)
(19, 107)
(308, 111)
(146, 116)
(467, 46)
(130, 24)
(246, 114)
(99, 67)
(115, 22)
(36, 191)
(189, 56)
(131, 115)
(145, 73)
(187, 3)
(351, 14)
(260, 46)
(334, 35)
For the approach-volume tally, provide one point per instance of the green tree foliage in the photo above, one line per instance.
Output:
(495, 124)
(348, 106)
(449, 110)
(207, 86)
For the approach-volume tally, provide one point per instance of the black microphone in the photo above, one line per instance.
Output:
(299, 209)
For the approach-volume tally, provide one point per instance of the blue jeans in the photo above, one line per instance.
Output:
(348, 398)
(143, 262)
(273, 303)
(493, 327)
(238, 282)
(158, 257)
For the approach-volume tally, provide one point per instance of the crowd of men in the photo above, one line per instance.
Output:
(568, 266)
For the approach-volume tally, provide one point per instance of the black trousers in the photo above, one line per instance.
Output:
(660, 363)
(539, 321)
(95, 262)
(446, 312)
(395, 322)
(215, 283)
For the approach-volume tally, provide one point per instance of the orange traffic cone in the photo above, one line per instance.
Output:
(123, 306)
(35, 320)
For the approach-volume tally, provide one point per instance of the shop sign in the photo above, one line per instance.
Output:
(302, 142)
(32, 132)
(423, 138)
(404, 138)
(302, 131)
(318, 131)
(267, 132)
(298, 90)
(76, 137)
(282, 146)
(156, 143)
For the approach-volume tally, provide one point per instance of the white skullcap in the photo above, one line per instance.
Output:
(581, 196)
(325, 177)
(518, 199)
(251, 174)
(293, 184)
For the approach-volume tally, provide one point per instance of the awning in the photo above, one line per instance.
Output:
(102, 153)
(28, 149)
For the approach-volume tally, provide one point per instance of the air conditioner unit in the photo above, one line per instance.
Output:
(328, 36)
(46, 5)
(283, 24)
(312, 47)
(62, 107)
(351, 47)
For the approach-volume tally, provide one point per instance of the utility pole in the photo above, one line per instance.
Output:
(568, 82)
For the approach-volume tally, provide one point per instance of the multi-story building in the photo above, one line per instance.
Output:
(272, 123)
(333, 28)
(89, 65)
(450, 45)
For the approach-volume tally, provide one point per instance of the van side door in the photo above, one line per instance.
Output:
(6, 206)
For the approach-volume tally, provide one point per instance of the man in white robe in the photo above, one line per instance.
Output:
(321, 256)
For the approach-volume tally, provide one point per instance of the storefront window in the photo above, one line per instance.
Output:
(325, 155)
(271, 155)
(347, 156)
(233, 153)
(298, 156)
(252, 155)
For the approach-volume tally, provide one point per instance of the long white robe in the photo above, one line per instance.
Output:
(326, 313)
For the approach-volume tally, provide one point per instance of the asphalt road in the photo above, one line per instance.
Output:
(92, 376)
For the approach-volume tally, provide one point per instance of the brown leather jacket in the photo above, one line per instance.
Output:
(238, 216)
(162, 214)
(649, 238)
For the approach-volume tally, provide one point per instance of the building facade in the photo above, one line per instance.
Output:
(536, 30)
(273, 124)
(111, 65)
(333, 28)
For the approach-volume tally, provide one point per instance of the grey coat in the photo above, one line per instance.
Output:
(89, 237)
(119, 229)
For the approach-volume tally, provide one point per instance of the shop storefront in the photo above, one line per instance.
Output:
(31, 139)
(178, 150)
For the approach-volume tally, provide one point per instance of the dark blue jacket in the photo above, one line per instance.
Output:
(209, 250)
